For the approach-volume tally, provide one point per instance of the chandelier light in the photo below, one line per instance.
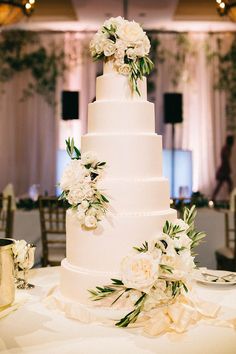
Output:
(227, 7)
(12, 11)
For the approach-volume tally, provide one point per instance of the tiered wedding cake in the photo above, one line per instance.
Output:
(126, 249)
(121, 130)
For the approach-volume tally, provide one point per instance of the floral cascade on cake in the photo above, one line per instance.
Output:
(156, 274)
(127, 45)
(79, 186)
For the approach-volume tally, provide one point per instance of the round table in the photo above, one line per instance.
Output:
(33, 328)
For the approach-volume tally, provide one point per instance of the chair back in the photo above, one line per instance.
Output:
(226, 256)
(230, 230)
(53, 229)
(6, 216)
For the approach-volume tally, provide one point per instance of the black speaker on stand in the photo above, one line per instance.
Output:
(173, 113)
(70, 105)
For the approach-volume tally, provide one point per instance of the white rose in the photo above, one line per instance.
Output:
(75, 196)
(114, 22)
(182, 241)
(118, 63)
(109, 48)
(81, 194)
(97, 43)
(184, 262)
(139, 271)
(139, 51)
(92, 211)
(99, 214)
(88, 193)
(124, 69)
(131, 54)
(169, 260)
(119, 55)
(146, 45)
(142, 48)
(84, 204)
(20, 251)
(130, 32)
(81, 216)
(120, 49)
(90, 221)
(88, 158)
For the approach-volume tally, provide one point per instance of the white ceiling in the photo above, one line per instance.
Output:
(85, 15)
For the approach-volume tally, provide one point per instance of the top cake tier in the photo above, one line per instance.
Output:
(112, 86)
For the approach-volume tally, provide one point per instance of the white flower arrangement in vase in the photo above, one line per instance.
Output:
(127, 45)
(79, 186)
(156, 273)
(23, 255)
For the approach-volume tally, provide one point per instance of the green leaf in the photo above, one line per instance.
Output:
(171, 229)
(101, 164)
(104, 198)
(189, 216)
(196, 237)
(132, 316)
(143, 248)
(117, 281)
(166, 268)
(72, 150)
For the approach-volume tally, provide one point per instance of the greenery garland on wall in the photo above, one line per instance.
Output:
(23, 51)
(226, 76)
(176, 57)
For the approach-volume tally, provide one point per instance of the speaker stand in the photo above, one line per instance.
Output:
(173, 158)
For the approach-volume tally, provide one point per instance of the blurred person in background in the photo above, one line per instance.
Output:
(223, 173)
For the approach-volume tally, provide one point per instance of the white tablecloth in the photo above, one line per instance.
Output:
(35, 329)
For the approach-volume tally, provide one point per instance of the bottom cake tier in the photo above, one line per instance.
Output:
(93, 258)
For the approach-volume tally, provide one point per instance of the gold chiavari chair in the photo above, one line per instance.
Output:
(6, 216)
(53, 229)
(226, 256)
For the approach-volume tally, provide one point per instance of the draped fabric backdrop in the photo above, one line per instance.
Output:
(32, 131)
(203, 130)
(27, 139)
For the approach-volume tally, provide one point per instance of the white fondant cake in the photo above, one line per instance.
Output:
(121, 130)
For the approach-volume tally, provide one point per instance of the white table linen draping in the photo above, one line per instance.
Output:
(34, 329)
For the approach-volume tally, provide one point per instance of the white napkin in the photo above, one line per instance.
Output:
(9, 191)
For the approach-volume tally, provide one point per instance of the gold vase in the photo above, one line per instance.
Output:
(7, 283)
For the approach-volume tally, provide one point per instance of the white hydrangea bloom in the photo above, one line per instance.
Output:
(71, 175)
(89, 158)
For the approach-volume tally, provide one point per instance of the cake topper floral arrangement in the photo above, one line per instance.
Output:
(79, 186)
(156, 274)
(127, 45)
